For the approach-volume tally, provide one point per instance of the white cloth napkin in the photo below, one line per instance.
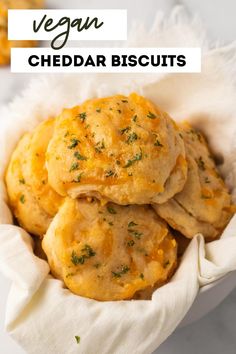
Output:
(43, 316)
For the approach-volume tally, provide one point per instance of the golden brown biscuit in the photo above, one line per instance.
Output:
(5, 44)
(22, 201)
(121, 149)
(35, 169)
(204, 204)
(27, 181)
(109, 252)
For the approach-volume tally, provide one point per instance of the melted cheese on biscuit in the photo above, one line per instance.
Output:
(204, 204)
(109, 252)
(122, 149)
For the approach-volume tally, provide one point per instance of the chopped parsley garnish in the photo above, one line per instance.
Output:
(74, 143)
(207, 180)
(136, 158)
(124, 270)
(117, 162)
(78, 156)
(119, 111)
(151, 115)
(135, 233)
(157, 143)
(111, 210)
(125, 130)
(82, 116)
(98, 110)
(134, 119)
(110, 223)
(110, 173)
(78, 178)
(141, 276)
(131, 224)
(87, 252)
(22, 181)
(130, 243)
(74, 166)
(132, 137)
(97, 265)
(203, 196)
(99, 146)
(66, 134)
(166, 263)
(22, 198)
(77, 338)
(201, 163)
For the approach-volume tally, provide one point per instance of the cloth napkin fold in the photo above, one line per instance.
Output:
(43, 316)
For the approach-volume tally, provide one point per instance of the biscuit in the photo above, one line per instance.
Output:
(204, 204)
(27, 181)
(120, 149)
(35, 168)
(23, 203)
(5, 44)
(109, 252)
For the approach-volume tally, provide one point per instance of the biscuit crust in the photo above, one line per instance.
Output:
(120, 149)
(204, 205)
(109, 252)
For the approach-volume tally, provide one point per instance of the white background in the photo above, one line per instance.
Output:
(216, 333)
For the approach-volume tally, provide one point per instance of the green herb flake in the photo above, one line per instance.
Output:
(111, 210)
(78, 178)
(136, 158)
(109, 173)
(131, 224)
(131, 138)
(110, 223)
(124, 270)
(157, 143)
(205, 196)
(97, 265)
(22, 181)
(134, 119)
(151, 115)
(82, 116)
(77, 338)
(201, 163)
(78, 156)
(135, 233)
(22, 198)
(119, 111)
(141, 276)
(130, 243)
(99, 146)
(207, 180)
(74, 166)
(98, 110)
(74, 143)
(87, 252)
(125, 130)
(166, 264)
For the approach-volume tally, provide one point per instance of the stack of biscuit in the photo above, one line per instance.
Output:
(109, 186)
(5, 44)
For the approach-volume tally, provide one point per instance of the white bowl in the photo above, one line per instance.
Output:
(209, 297)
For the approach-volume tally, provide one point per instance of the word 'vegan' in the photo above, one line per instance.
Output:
(48, 25)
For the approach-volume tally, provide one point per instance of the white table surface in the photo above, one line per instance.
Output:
(216, 333)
